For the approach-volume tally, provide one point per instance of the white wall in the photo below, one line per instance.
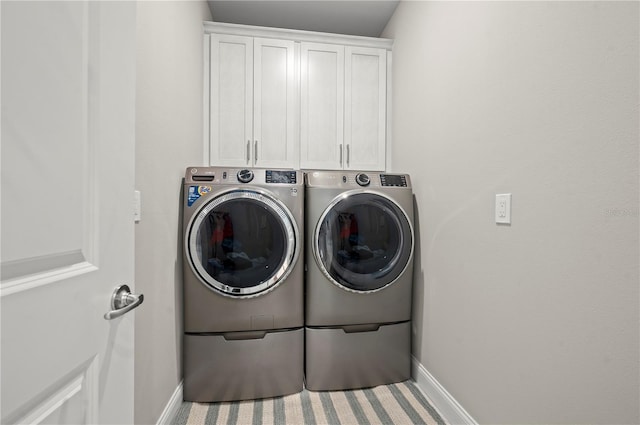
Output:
(168, 139)
(536, 322)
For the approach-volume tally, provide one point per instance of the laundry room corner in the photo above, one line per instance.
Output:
(168, 139)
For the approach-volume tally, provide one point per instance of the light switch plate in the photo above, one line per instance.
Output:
(503, 208)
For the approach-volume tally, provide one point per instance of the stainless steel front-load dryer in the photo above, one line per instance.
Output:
(359, 248)
(243, 283)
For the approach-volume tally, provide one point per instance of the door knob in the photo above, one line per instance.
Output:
(122, 302)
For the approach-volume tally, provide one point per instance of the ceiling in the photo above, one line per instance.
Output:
(353, 17)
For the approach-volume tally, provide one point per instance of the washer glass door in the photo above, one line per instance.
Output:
(363, 242)
(242, 243)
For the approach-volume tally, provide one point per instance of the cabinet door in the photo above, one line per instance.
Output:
(231, 100)
(322, 106)
(275, 104)
(365, 108)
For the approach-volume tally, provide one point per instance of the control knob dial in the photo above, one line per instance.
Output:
(245, 176)
(362, 179)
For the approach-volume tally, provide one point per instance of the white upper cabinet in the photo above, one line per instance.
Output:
(365, 107)
(253, 102)
(231, 100)
(322, 106)
(343, 107)
(278, 98)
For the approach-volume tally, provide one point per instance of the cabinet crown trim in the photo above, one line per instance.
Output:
(296, 35)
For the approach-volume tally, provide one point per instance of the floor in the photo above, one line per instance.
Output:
(401, 403)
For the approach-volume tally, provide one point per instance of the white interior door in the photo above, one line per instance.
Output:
(68, 128)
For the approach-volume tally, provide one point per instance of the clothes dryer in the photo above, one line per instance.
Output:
(359, 281)
(243, 283)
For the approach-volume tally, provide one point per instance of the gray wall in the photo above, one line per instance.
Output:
(168, 139)
(536, 322)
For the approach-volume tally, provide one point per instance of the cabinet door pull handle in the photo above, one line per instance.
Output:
(341, 154)
(347, 155)
(248, 150)
(255, 152)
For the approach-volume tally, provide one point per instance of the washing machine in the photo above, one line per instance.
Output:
(359, 279)
(243, 283)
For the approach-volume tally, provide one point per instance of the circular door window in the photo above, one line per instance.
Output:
(363, 241)
(242, 243)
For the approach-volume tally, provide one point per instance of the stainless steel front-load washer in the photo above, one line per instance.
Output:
(243, 283)
(359, 281)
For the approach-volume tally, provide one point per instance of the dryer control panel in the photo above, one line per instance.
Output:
(399, 180)
(357, 179)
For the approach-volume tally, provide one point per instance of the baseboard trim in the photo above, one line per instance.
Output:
(171, 409)
(451, 411)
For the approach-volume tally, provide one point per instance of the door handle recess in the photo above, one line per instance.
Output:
(248, 150)
(361, 328)
(239, 336)
(122, 302)
(255, 152)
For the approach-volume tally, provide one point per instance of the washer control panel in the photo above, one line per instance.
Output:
(234, 176)
(284, 176)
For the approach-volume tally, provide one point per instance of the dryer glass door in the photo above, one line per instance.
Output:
(243, 243)
(363, 242)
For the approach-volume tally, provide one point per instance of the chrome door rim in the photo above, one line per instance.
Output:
(291, 236)
(316, 233)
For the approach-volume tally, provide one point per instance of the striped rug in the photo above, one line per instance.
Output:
(401, 403)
